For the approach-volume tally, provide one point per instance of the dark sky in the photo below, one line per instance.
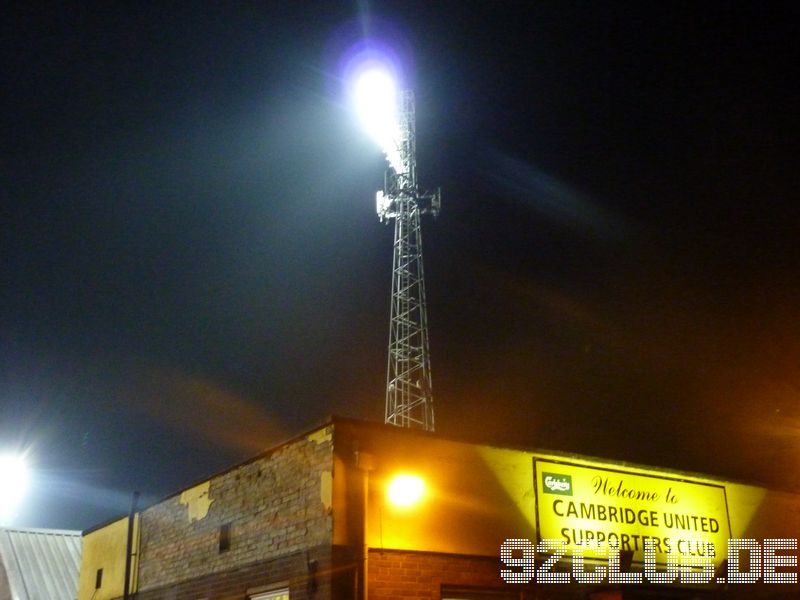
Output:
(192, 269)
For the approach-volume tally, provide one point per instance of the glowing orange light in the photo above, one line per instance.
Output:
(405, 491)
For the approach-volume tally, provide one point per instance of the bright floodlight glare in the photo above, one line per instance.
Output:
(14, 479)
(405, 490)
(376, 104)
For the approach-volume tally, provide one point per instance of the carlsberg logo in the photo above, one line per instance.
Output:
(557, 484)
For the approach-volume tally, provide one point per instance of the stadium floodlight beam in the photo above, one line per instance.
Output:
(409, 391)
(14, 479)
(376, 105)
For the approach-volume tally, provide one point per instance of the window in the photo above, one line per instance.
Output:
(98, 579)
(225, 538)
(282, 594)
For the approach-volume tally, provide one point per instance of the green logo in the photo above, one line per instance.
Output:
(557, 484)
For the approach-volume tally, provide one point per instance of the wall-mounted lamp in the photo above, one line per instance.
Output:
(405, 490)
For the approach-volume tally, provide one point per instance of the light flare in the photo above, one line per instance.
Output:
(14, 482)
(375, 98)
(404, 491)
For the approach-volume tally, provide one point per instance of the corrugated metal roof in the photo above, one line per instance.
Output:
(41, 564)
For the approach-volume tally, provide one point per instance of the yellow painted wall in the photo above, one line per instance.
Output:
(104, 548)
(478, 496)
(470, 505)
(465, 508)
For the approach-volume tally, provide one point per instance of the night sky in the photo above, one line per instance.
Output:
(192, 270)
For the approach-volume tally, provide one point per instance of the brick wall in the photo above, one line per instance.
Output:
(405, 575)
(306, 582)
(275, 506)
(413, 575)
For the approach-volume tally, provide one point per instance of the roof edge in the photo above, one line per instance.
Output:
(41, 530)
(329, 420)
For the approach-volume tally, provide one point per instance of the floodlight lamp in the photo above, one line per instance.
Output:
(405, 491)
(381, 204)
(14, 480)
(375, 95)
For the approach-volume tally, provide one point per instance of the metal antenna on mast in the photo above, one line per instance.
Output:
(409, 394)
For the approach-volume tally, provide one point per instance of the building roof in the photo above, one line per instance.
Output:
(40, 564)
(431, 435)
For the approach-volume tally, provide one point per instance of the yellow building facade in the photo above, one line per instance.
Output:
(323, 516)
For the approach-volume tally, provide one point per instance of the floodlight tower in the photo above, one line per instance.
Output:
(409, 395)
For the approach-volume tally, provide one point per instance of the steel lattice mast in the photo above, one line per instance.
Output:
(409, 395)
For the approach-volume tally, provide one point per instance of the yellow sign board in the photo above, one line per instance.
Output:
(592, 506)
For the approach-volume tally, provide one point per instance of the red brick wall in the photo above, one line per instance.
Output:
(412, 575)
